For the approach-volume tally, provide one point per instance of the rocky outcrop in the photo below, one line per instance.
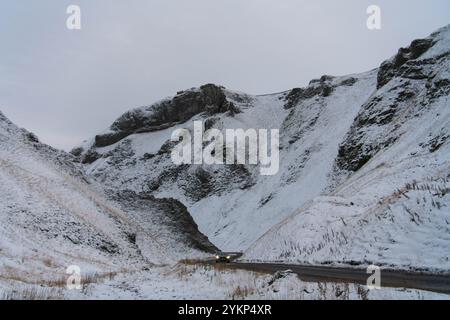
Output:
(322, 87)
(210, 99)
(407, 84)
(403, 62)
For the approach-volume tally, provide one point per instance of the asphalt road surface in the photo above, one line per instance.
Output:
(389, 278)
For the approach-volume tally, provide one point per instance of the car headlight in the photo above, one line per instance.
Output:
(217, 257)
(228, 257)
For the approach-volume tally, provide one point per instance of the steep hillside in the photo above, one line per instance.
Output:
(52, 216)
(234, 204)
(347, 146)
(391, 204)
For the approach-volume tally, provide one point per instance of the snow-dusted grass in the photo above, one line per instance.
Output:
(407, 228)
(215, 282)
(32, 293)
(52, 218)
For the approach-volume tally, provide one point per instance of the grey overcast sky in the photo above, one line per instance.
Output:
(66, 86)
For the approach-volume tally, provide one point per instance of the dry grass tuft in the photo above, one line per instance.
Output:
(32, 293)
(242, 292)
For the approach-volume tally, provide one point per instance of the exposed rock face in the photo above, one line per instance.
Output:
(407, 84)
(186, 104)
(158, 173)
(319, 87)
(392, 67)
(90, 156)
(76, 152)
(107, 139)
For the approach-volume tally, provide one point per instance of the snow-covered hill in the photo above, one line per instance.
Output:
(52, 216)
(391, 204)
(363, 164)
(234, 205)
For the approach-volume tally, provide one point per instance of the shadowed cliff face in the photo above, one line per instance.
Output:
(149, 211)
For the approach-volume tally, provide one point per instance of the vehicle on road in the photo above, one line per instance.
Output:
(223, 258)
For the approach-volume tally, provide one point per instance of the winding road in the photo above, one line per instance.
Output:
(389, 278)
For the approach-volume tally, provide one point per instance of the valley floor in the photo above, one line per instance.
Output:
(185, 281)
